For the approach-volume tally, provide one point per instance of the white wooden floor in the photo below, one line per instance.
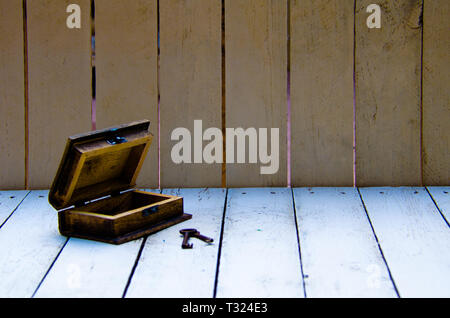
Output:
(305, 242)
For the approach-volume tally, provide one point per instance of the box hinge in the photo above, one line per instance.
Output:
(115, 139)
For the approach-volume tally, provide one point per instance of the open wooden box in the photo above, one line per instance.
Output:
(94, 188)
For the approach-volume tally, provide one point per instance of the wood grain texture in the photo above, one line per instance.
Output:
(9, 201)
(256, 80)
(322, 92)
(441, 195)
(340, 255)
(30, 242)
(190, 84)
(12, 96)
(436, 93)
(59, 69)
(260, 255)
(126, 35)
(165, 269)
(388, 64)
(414, 238)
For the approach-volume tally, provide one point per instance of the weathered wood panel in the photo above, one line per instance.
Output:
(340, 255)
(59, 73)
(190, 85)
(126, 34)
(322, 92)
(260, 255)
(29, 244)
(414, 238)
(388, 67)
(436, 93)
(256, 82)
(12, 96)
(165, 269)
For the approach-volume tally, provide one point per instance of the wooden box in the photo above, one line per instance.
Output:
(93, 188)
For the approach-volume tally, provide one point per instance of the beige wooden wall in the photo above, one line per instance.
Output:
(367, 106)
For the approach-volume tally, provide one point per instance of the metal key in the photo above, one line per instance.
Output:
(203, 238)
(187, 233)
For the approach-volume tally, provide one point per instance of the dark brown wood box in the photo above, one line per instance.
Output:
(94, 187)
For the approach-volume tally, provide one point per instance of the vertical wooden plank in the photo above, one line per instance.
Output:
(322, 92)
(165, 269)
(29, 244)
(256, 81)
(59, 69)
(414, 238)
(126, 60)
(260, 255)
(9, 201)
(12, 101)
(190, 85)
(340, 255)
(388, 64)
(436, 93)
(441, 196)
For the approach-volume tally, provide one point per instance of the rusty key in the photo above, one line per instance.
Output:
(202, 237)
(187, 233)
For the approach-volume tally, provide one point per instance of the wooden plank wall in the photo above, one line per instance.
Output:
(59, 78)
(256, 80)
(190, 85)
(12, 92)
(436, 93)
(388, 108)
(235, 76)
(126, 57)
(322, 92)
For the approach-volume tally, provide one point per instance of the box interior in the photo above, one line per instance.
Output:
(124, 202)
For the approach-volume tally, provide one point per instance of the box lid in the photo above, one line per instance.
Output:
(100, 163)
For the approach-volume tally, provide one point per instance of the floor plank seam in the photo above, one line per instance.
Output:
(437, 207)
(136, 261)
(379, 245)
(138, 257)
(298, 244)
(50, 268)
(12, 212)
(219, 252)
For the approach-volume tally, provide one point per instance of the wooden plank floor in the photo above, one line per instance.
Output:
(268, 242)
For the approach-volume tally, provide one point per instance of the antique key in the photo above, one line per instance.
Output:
(203, 238)
(187, 233)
